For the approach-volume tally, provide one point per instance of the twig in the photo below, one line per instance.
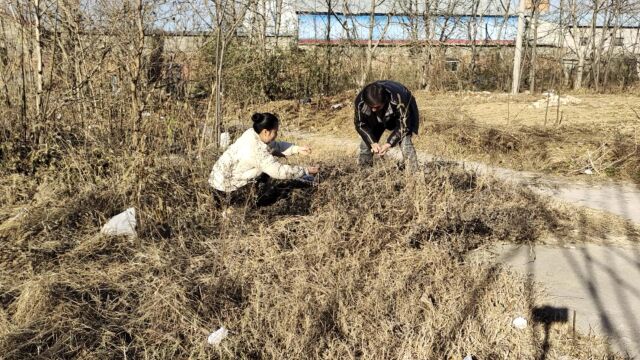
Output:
(546, 112)
(593, 166)
(508, 108)
(635, 112)
(616, 162)
(558, 119)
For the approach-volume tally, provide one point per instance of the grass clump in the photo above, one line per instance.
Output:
(368, 264)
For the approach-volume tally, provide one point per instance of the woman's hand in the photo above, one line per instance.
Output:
(304, 150)
(375, 148)
(312, 170)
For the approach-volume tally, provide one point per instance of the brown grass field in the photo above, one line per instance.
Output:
(369, 264)
(599, 133)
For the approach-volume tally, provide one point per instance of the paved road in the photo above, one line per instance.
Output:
(601, 283)
(622, 199)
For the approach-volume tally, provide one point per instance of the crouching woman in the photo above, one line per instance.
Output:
(252, 160)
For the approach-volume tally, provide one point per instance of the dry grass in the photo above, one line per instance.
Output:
(367, 265)
(600, 133)
(607, 150)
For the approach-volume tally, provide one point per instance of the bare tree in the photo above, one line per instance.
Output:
(225, 17)
(535, 16)
(37, 46)
(278, 20)
(427, 20)
(370, 44)
(515, 87)
(580, 43)
(5, 64)
(135, 73)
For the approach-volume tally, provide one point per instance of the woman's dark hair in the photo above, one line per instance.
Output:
(375, 94)
(263, 121)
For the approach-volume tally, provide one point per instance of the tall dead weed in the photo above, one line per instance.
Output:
(368, 264)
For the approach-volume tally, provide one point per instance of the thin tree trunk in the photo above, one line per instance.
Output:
(580, 51)
(369, 57)
(597, 68)
(52, 61)
(515, 86)
(473, 29)
(37, 46)
(219, 94)
(215, 80)
(615, 16)
(222, 39)
(561, 42)
(24, 113)
(136, 77)
(74, 60)
(594, 17)
(278, 20)
(327, 86)
(253, 34)
(4, 61)
(534, 46)
(425, 82)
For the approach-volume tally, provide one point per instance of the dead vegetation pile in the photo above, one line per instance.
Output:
(365, 265)
(609, 149)
(605, 149)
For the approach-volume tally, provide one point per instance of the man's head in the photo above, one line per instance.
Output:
(375, 96)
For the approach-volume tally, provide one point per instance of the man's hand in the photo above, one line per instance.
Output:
(384, 148)
(375, 148)
(312, 170)
(304, 150)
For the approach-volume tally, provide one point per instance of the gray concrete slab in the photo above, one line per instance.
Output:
(619, 198)
(601, 283)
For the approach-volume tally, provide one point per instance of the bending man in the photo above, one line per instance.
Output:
(386, 105)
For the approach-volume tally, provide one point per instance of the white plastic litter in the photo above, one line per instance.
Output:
(216, 337)
(468, 357)
(520, 323)
(337, 106)
(551, 99)
(225, 140)
(588, 171)
(121, 224)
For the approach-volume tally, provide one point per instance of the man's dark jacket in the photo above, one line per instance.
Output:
(400, 115)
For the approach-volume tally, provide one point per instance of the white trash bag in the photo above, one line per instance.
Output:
(216, 337)
(520, 323)
(225, 140)
(121, 224)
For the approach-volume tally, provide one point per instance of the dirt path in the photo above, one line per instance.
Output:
(600, 283)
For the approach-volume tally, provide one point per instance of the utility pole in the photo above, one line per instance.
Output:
(327, 85)
(517, 58)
